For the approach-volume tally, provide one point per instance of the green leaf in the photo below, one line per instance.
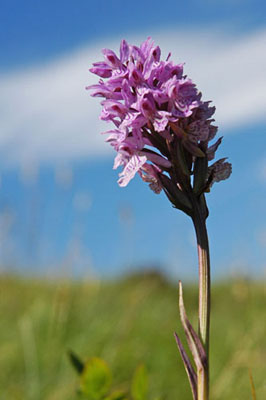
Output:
(192, 376)
(95, 379)
(76, 362)
(194, 343)
(139, 385)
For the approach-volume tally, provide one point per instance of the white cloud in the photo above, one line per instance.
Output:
(46, 115)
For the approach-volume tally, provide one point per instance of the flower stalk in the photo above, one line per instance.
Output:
(204, 279)
(204, 300)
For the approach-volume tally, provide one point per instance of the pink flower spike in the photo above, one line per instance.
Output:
(158, 115)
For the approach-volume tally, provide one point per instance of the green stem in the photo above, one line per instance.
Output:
(204, 297)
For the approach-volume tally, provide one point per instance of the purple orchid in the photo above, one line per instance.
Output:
(160, 120)
(164, 132)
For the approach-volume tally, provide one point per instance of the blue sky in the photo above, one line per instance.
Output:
(60, 206)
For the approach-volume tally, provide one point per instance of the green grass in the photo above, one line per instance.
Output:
(126, 322)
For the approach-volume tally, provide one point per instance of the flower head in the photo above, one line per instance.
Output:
(162, 126)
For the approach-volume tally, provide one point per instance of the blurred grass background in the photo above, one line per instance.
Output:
(126, 322)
